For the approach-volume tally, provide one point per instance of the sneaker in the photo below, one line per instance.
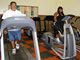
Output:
(17, 46)
(13, 51)
(58, 40)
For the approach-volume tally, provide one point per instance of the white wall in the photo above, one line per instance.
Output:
(70, 6)
(46, 7)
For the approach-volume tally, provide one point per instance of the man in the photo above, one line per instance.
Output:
(14, 34)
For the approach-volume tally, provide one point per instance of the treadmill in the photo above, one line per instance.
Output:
(23, 53)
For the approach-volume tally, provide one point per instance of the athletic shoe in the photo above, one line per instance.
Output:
(58, 40)
(14, 51)
(17, 46)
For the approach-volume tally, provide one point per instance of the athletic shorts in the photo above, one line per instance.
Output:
(14, 35)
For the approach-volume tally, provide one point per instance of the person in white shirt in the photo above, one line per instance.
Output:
(14, 34)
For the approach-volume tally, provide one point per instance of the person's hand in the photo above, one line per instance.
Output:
(22, 31)
(14, 26)
(54, 23)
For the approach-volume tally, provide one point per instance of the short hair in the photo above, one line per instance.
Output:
(13, 2)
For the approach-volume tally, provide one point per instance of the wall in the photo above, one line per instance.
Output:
(70, 6)
(46, 7)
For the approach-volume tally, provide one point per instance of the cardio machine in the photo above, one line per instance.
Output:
(19, 22)
(67, 49)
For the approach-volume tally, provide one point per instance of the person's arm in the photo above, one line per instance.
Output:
(4, 16)
(7, 14)
(55, 16)
(20, 13)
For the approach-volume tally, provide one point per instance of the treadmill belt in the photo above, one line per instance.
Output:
(21, 54)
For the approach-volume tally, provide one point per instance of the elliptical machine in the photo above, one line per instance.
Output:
(64, 50)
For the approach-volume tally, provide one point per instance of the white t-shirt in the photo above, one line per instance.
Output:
(11, 13)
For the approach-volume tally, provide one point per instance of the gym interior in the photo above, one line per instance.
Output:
(38, 41)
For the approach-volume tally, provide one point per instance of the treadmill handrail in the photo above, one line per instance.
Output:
(19, 22)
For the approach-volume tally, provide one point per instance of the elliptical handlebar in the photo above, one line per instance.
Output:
(66, 18)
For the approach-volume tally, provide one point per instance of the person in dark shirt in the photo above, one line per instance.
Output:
(58, 24)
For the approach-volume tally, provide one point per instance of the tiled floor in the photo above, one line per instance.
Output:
(46, 54)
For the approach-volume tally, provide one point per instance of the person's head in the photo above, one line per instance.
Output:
(60, 10)
(13, 5)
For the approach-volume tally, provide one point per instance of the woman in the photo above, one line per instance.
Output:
(58, 24)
